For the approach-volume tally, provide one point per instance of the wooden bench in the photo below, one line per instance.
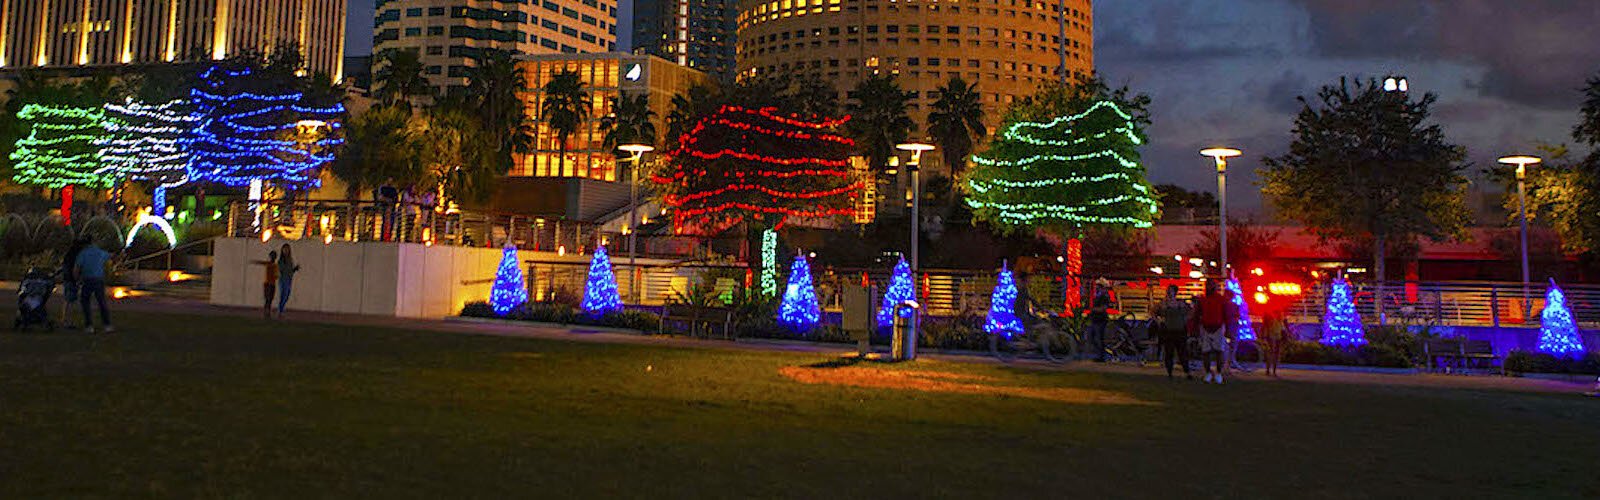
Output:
(697, 320)
(1459, 354)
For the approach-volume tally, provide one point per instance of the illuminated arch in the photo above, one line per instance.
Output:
(159, 223)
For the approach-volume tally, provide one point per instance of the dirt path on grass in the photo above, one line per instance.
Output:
(927, 381)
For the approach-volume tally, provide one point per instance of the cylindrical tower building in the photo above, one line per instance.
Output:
(1008, 46)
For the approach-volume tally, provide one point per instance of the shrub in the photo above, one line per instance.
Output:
(642, 321)
(1538, 362)
(958, 332)
(478, 309)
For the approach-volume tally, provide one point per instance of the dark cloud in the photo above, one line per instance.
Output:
(1534, 52)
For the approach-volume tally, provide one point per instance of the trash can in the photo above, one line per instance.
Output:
(904, 346)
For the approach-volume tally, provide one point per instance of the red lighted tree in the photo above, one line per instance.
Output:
(757, 166)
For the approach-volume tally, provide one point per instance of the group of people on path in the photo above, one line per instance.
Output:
(83, 278)
(1211, 321)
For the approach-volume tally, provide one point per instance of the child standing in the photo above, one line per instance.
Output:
(269, 284)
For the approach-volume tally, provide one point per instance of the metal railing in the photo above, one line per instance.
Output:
(948, 292)
(402, 222)
(138, 263)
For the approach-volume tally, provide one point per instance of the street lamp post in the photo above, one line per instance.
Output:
(1522, 162)
(914, 167)
(1220, 156)
(637, 151)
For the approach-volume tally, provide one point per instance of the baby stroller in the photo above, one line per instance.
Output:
(33, 300)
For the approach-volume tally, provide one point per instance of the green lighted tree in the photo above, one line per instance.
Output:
(1066, 159)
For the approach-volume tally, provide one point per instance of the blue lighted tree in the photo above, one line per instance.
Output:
(252, 126)
(1341, 326)
(600, 291)
(1242, 328)
(901, 289)
(1002, 319)
(1558, 334)
(510, 291)
(799, 311)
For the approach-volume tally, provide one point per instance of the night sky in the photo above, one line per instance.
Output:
(1228, 71)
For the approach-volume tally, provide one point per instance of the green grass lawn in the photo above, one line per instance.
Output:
(178, 406)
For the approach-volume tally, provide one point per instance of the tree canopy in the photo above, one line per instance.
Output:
(1368, 163)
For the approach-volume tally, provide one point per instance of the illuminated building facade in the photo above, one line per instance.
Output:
(699, 34)
(1009, 47)
(96, 33)
(452, 35)
(605, 77)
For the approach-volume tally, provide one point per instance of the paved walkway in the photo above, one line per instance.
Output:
(602, 335)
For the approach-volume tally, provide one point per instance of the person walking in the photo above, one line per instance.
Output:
(1172, 322)
(1211, 319)
(269, 283)
(90, 269)
(286, 270)
(1274, 337)
(1099, 318)
(69, 280)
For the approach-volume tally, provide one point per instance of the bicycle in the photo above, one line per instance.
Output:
(1050, 335)
(1122, 341)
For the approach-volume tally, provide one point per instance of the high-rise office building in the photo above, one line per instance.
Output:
(96, 33)
(696, 33)
(1008, 47)
(451, 35)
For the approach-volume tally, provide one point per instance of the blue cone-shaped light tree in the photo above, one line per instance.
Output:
(510, 291)
(1341, 326)
(1558, 334)
(901, 289)
(600, 295)
(799, 311)
(1242, 326)
(1002, 319)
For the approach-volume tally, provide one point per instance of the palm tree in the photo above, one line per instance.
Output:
(699, 101)
(813, 96)
(497, 85)
(956, 120)
(631, 121)
(880, 121)
(564, 108)
(399, 77)
(379, 149)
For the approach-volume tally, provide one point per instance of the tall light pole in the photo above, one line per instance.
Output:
(1220, 156)
(1522, 162)
(637, 151)
(914, 167)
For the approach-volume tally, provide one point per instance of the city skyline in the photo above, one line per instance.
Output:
(1507, 72)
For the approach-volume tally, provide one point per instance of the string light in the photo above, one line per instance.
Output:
(799, 311)
(148, 142)
(769, 262)
(1002, 317)
(1074, 276)
(1341, 326)
(715, 172)
(59, 149)
(510, 291)
(600, 296)
(1078, 170)
(240, 135)
(900, 290)
(1558, 334)
(1242, 327)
